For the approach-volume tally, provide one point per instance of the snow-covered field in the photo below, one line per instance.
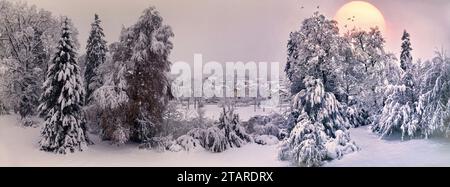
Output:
(19, 147)
(393, 153)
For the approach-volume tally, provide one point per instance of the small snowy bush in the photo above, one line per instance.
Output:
(199, 135)
(305, 145)
(234, 132)
(188, 143)
(227, 133)
(340, 146)
(265, 125)
(266, 140)
(3, 109)
(215, 140)
(120, 135)
(357, 116)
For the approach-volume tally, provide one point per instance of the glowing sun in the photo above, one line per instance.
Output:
(360, 15)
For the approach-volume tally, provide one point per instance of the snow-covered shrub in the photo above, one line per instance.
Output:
(340, 146)
(215, 140)
(212, 139)
(266, 140)
(357, 116)
(266, 125)
(399, 114)
(188, 143)
(268, 129)
(305, 146)
(3, 109)
(198, 134)
(175, 148)
(227, 133)
(234, 132)
(120, 135)
(255, 122)
(434, 104)
(27, 122)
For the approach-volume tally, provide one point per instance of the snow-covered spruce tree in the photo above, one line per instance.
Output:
(293, 55)
(62, 100)
(305, 146)
(399, 112)
(95, 56)
(319, 122)
(405, 57)
(234, 132)
(148, 87)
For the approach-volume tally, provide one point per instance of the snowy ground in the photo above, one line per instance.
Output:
(380, 153)
(19, 147)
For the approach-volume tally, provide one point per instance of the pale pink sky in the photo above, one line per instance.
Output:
(252, 30)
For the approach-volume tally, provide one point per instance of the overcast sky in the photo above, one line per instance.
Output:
(252, 30)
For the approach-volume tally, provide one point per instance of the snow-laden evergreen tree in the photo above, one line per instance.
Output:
(305, 146)
(406, 57)
(399, 112)
(95, 56)
(433, 105)
(373, 69)
(62, 100)
(293, 55)
(234, 132)
(314, 51)
(109, 100)
(148, 87)
(319, 121)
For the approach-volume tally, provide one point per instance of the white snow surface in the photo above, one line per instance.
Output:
(19, 147)
(377, 152)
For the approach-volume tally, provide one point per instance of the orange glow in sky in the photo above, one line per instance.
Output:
(360, 15)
